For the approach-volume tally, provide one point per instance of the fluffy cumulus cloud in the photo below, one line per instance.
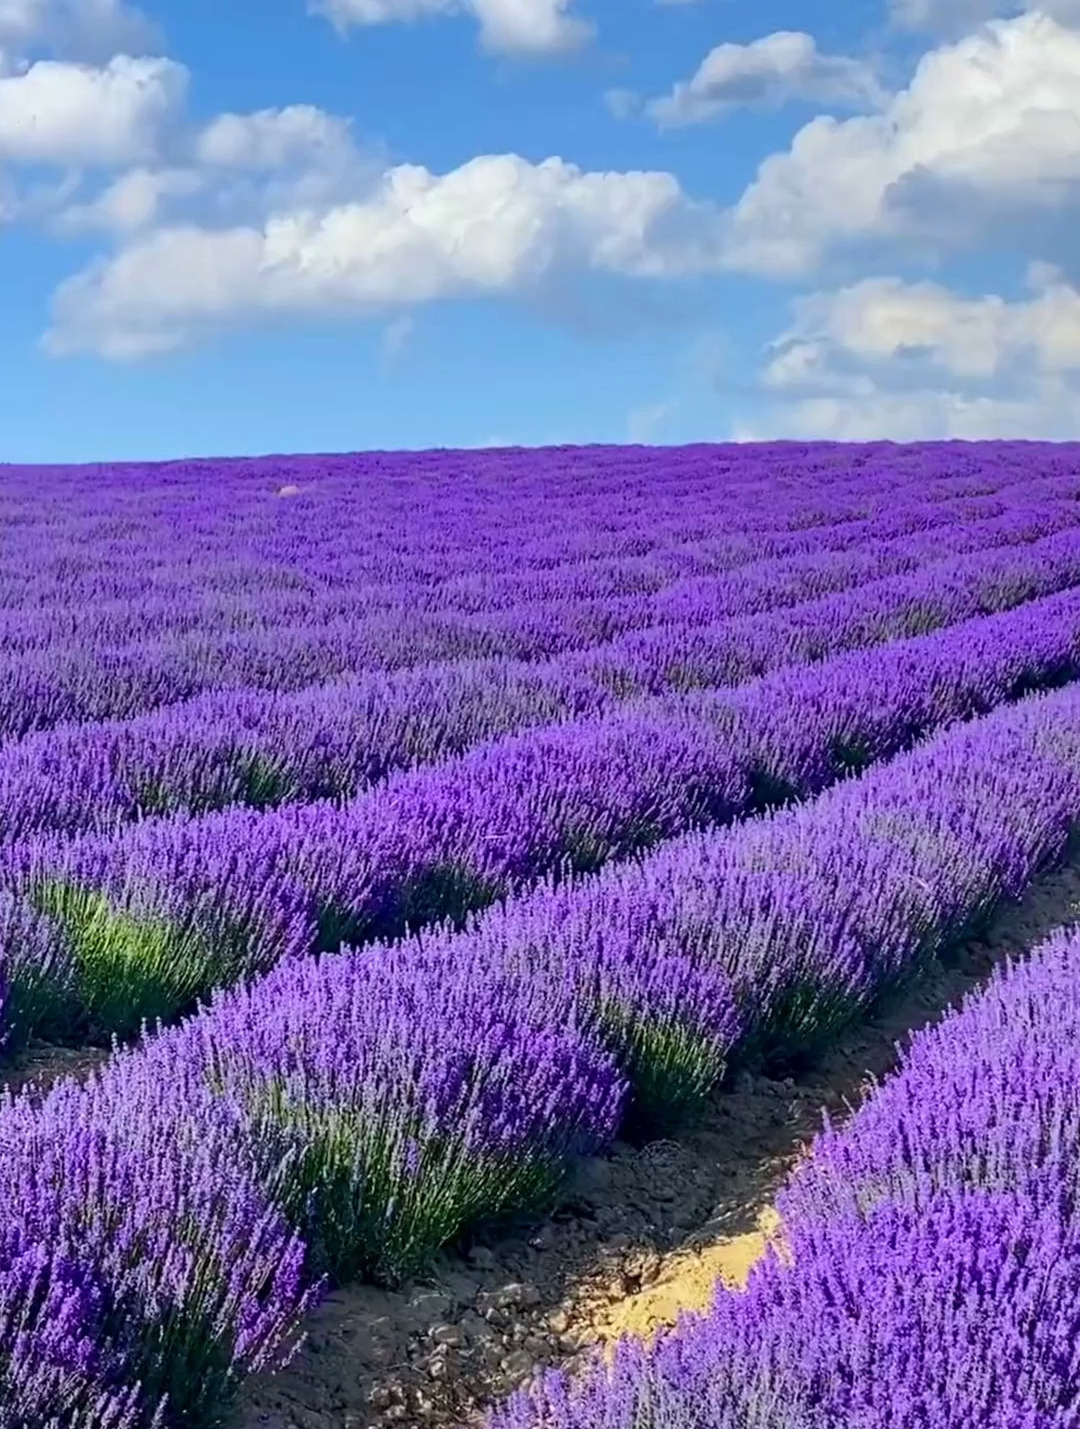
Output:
(87, 30)
(986, 134)
(57, 112)
(273, 138)
(774, 70)
(506, 26)
(134, 200)
(911, 360)
(955, 17)
(239, 168)
(497, 225)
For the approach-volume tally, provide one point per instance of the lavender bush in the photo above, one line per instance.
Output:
(931, 1273)
(150, 920)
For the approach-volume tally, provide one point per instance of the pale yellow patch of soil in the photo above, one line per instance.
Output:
(688, 1282)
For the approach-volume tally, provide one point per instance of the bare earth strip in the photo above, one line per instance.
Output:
(637, 1237)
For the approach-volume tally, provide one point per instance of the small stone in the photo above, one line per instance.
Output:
(380, 1397)
(536, 1346)
(473, 1328)
(510, 1297)
(517, 1365)
(559, 1322)
(451, 1335)
(431, 1304)
(572, 1342)
(648, 1267)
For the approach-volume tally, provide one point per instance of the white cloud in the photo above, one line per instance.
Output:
(272, 138)
(988, 130)
(62, 113)
(929, 414)
(884, 321)
(131, 202)
(772, 71)
(88, 30)
(506, 26)
(238, 169)
(955, 17)
(888, 359)
(643, 423)
(497, 225)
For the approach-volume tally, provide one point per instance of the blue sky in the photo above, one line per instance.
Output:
(247, 227)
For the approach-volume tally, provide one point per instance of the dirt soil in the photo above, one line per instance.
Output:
(43, 1064)
(638, 1236)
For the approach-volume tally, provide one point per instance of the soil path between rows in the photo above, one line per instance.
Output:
(638, 1235)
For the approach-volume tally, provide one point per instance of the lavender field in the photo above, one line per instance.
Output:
(395, 833)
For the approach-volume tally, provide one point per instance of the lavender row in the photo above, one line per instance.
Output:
(164, 1227)
(648, 588)
(657, 543)
(352, 529)
(63, 682)
(141, 924)
(408, 496)
(296, 642)
(431, 521)
(932, 1268)
(263, 748)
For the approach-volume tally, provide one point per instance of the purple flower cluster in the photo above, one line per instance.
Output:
(931, 1274)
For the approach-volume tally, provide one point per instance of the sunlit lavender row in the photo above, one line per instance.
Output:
(285, 598)
(734, 569)
(165, 1226)
(931, 1267)
(102, 932)
(263, 747)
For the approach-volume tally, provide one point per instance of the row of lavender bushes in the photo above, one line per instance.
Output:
(83, 679)
(163, 1228)
(672, 557)
(931, 1273)
(101, 933)
(262, 748)
(139, 534)
(355, 533)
